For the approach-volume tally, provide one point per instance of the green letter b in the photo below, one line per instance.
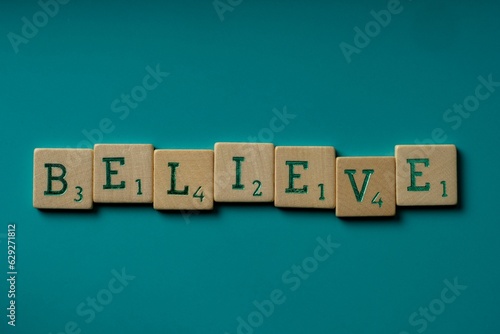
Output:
(59, 178)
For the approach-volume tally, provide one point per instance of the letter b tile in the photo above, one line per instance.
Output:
(62, 178)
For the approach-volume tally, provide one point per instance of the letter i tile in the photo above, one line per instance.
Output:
(244, 172)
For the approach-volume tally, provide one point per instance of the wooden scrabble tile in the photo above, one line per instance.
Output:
(183, 180)
(62, 178)
(305, 177)
(366, 186)
(426, 175)
(244, 172)
(123, 173)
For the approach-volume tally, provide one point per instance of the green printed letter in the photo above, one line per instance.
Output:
(414, 174)
(292, 176)
(110, 172)
(237, 184)
(59, 178)
(173, 181)
(360, 195)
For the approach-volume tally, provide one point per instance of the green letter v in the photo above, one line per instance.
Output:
(368, 173)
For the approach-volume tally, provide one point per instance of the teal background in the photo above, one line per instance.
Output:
(197, 273)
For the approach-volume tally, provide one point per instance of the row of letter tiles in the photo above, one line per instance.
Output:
(291, 176)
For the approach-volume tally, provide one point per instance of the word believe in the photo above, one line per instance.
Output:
(289, 176)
